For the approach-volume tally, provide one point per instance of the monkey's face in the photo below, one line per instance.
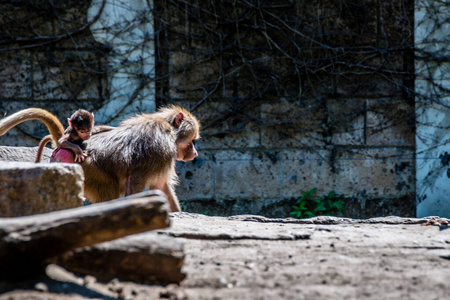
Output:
(84, 134)
(186, 150)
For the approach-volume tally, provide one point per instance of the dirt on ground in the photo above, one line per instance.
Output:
(252, 257)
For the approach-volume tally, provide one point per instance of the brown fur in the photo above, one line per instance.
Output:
(80, 128)
(45, 140)
(55, 127)
(80, 120)
(140, 153)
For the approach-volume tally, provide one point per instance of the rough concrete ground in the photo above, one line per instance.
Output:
(251, 257)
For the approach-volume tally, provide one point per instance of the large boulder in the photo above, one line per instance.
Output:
(25, 154)
(30, 188)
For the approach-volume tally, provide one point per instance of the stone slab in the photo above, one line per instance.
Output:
(24, 154)
(29, 188)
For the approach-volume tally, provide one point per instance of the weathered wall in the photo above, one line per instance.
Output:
(433, 107)
(283, 111)
(48, 62)
(272, 131)
(65, 55)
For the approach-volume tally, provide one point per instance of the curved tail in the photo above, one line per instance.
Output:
(54, 126)
(45, 140)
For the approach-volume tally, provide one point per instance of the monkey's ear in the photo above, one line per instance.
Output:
(70, 122)
(178, 119)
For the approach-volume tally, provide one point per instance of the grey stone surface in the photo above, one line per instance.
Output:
(253, 257)
(24, 154)
(144, 258)
(29, 188)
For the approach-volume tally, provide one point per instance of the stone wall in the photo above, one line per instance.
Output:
(292, 95)
(47, 61)
(272, 131)
(432, 108)
(75, 58)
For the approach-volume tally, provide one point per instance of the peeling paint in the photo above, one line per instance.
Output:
(128, 93)
(432, 117)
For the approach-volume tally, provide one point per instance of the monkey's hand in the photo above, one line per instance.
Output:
(80, 156)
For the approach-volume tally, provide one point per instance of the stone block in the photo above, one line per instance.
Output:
(15, 76)
(29, 188)
(346, 121)
(217, 140)
(247, 175)
(277, 208)
(225, 207)
(390, 122)
(374, 173)
(145, 258)
(223, 128)
(28, 19)
(291, 124)
(370, 85)
(404, 206)
(191, 79)
(305, 169)
(62, 76)
(196, 178)
(23, 154)
(16, 137)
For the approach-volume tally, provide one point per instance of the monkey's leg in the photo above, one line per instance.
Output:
(98, 186)
(172, 198)
(160, 183)
(134, 184)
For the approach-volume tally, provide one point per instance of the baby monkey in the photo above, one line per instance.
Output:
(80, 128)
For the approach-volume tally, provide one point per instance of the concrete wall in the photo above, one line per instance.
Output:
(352, 133)
(350, 130)
(131, 70)
(433, 108)
(101, 59)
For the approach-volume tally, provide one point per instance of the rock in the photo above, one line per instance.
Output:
(29, 188)
(228, 228)
(173, 292)
(23, 154)
(145, 258)
(42, 287)
(28, 243)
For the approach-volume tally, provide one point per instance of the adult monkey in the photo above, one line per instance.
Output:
(139, 153)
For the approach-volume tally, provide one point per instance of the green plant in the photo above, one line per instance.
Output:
(310, 205)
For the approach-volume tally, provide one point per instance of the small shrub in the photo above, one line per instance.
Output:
(310, 205)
